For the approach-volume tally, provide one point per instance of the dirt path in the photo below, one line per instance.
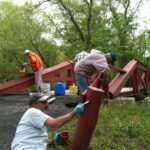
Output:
(13, 107)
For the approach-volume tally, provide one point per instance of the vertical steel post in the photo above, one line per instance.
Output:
(88, 119)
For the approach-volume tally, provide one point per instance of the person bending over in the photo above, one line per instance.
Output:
(95, 62)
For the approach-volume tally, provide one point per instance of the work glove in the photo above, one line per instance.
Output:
(56, 138)
(79, 108)
(24, 64)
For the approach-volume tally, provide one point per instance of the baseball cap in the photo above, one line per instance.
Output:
(113, 57)
(38, 97)
(26, 51)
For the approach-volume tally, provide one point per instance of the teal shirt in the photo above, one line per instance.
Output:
(31, 134)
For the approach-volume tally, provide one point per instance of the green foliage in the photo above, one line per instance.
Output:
(124, 125)
(142, 43)
(23, 28)
(75, 24)
(121, 125)
(110, 28)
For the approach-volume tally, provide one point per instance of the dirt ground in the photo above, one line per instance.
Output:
(12, 108)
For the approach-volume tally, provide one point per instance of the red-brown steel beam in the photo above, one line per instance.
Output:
(88, 119)
(136, 84)
(146, 79)
(60, 79)
(55, 70)
(119, 81)
(98, 80)
(48, 74)
(142, 66)
(14, 72)
(139, 75)
(142, 82)
(16, 85)
(70, 74)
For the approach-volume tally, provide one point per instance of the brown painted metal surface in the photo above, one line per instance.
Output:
(14, 72)
(98, 80)
(55, 73)
(118, 82)
(64, 72)
(135, 83)
(88, 119)
(139, 75)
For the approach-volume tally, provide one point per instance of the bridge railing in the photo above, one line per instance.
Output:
(138, 73)
(62, 72)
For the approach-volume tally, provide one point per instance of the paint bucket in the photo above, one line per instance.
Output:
(73, 89)
(45, 87)
(64, 137)
(59, 88)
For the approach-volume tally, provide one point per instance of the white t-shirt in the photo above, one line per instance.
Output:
(80, 56)
(31, 134)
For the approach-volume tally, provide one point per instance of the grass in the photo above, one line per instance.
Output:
(121, 126)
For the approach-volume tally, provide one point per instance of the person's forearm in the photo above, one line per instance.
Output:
(116, 69)
(60, 121)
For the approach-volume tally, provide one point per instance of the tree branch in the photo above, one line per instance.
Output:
(60, 31)
(89, 18)
(73, 20)
(35, 45)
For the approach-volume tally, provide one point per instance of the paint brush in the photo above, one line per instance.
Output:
(85, 103)
(51, 100)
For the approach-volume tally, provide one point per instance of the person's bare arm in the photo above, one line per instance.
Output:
(60, 121)
(116, 69)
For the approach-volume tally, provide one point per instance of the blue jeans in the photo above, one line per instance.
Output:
(82, 82)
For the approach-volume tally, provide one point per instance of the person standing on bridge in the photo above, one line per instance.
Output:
(95, 62)
(31, 132)
(36, 64)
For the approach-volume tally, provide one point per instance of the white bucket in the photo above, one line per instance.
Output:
(45, 88)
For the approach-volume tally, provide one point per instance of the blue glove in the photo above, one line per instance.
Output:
(24, 64)
(56, 138)
(79, 108)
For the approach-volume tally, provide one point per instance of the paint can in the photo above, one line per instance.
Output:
(73, 89)
(59, 88)
(64, 135)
